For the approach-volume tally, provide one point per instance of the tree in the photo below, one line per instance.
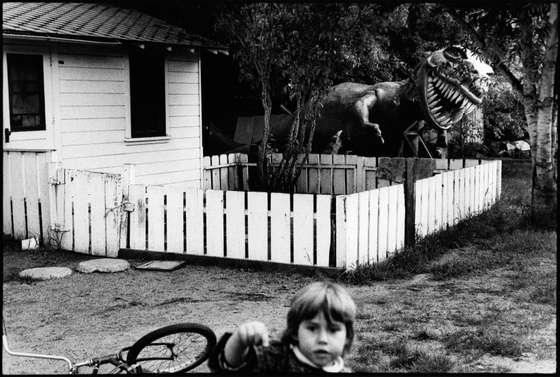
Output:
(521, 43)
(299, 50)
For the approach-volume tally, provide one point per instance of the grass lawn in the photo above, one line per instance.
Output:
(478, 298)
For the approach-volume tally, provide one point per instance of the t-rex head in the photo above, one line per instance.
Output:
(449, 86)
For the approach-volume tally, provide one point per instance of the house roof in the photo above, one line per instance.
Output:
(93, 21)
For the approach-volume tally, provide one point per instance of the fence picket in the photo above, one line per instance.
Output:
(437, 203)
(450, 198)
(68, 235)
(326, 173)
(392, 208)
(224, 184)
(339, 174)
(323, 242)
(113, 213)
(207, 173)
(352, 231)
(81, 184)
(137, 227)
(32, 195)
(215, 223)
(455, 164)
(215, 162)
(373, 225)
(363, 227)
(313, 177)
(400, 216)
(370, 164)
(17, 168)
(156, 235)
(43, 160)
(6, 194)
(341, 229)
(194, 214)
(303, 229)
(97, 216)
(280, 227)
(382, 223)
(351, 174)
(174, 219)
(257, 225)
(235, 224)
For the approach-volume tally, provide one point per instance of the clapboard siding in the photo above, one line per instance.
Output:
(94, 111)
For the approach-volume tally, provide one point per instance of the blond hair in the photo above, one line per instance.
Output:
(328, 298)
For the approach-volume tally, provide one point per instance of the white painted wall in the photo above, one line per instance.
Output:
(91, 107)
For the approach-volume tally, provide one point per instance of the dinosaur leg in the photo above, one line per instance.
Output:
(362, 108)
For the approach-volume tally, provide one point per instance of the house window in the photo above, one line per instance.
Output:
(147, 94)
(26, 92)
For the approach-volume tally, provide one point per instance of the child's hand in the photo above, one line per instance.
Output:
(247, 335)
(253, 334)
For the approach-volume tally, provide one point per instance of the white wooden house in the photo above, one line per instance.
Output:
(103, 86)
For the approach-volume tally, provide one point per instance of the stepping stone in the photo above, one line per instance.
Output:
(161, 265)
(103, 265)
(45, 273)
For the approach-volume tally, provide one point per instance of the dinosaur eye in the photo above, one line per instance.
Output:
(454, 53)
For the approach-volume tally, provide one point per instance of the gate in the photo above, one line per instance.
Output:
(89, 215)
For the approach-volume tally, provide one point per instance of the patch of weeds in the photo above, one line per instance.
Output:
(432, 362)
(535, 286)
(426, 334)
(485, 340)
(392, 326)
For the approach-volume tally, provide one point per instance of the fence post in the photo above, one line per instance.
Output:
(56, 195)
(409, 203)
(128, 178)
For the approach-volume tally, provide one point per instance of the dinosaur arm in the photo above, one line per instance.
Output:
(362, 109)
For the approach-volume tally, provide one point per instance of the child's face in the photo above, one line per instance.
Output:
(320, 341)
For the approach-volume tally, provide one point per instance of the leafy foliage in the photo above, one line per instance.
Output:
(504, 119)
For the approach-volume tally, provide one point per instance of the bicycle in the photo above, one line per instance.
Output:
(188, 346)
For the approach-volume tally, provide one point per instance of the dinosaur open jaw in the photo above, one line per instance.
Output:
(447, 100)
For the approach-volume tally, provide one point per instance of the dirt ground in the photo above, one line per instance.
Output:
(87, 315)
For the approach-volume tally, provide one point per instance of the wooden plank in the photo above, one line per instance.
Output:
(156, 235)
(462, 199)
(339, 174)
(442, 163)
(363, 228)
(455, 164)
(351, 174)
(43, 160)
(207, 173)
(215, 161)
(352, 231)
(360, 175)
(323, 230)
(472, 190)
(137, 227)
(257, 225)
(392, 208)
(68, 235)
(326, 173)
(17, 168)
(244, 159)
(194, 214)
(233, 182)
(6, 194)
(175, 211)
(382, 223)
(303, 229)
(370, 164)
(224, 184)
(424, 206)
(235, 224)
(96, 190)
(499, 181)
(438, 199)
(280, 228)
(400, 216)
(373, 225)
(470, 162)
(32, 195)
(341, 229)
(449, 198)
(215, 223)
(81, 217)
(313, 176)
(113, 213)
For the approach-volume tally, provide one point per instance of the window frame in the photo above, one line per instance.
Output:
(41, 91)
(129, 139)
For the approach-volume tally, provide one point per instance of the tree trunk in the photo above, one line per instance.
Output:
(544, 184)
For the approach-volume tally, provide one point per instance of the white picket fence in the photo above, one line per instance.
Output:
(98, 213)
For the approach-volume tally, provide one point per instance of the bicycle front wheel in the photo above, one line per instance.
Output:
(172, 349)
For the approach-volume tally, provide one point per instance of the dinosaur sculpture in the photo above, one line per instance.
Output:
(374, 118)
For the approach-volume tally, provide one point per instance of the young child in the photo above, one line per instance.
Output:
(319, 333)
